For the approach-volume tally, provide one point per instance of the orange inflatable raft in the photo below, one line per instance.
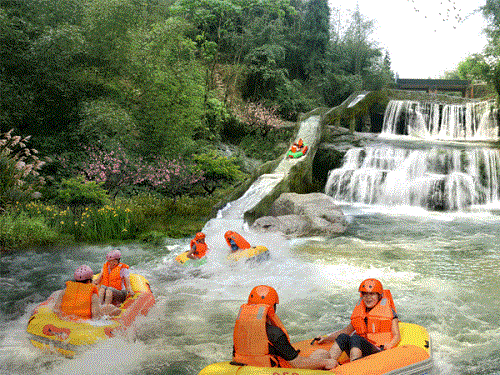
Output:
(48, 332)
(412, 356)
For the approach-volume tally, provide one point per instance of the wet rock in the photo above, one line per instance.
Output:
(303, 215)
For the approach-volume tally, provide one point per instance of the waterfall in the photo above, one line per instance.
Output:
(432, 174)
(430, 120)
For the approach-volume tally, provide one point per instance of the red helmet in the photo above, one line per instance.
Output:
(83, 273)
(371, 286)
(113, 254)
(263, 294)
(199, 236)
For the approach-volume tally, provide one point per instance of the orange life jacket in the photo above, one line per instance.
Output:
(201, 248)
(251, 344)
(375, 325)
(77, 300)
(113, 278)
(238, 239)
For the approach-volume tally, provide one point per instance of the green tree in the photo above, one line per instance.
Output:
(217, 170)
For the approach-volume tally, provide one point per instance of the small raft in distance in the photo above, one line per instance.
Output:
(412, 356)
(185, 261)
(256, 253)
(47, 331)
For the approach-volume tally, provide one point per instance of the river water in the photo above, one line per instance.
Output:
(442, 269)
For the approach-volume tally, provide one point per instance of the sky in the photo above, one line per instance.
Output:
(424, 38)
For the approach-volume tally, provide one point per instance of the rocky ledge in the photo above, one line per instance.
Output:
(299, 215)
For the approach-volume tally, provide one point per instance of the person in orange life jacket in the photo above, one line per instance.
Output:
(114, 280)
(236, 241)
(260, 339)
(198, 247)
(374, 323)
(80, 298)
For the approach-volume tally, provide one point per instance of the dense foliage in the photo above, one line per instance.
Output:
(133, 97)
(484, 67)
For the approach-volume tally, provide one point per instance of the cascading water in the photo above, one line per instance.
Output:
(433, 175)
(429, 120)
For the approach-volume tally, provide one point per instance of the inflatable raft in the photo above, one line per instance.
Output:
(185, 261)
(412, 356)
(47, 331)
(297, 154)
(256, 253)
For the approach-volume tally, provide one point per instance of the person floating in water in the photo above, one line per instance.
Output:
(236, 241)
(198, 247)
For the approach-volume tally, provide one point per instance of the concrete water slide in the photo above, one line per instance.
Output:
(291, 174)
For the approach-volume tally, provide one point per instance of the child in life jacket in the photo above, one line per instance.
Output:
(114, 280)
(236, 241)
(261, 340)
(79, 300)
(198, 247)
(374, 325)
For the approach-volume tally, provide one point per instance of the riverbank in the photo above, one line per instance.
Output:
(142, 218)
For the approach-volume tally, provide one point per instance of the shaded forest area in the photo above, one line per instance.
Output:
(151, 110)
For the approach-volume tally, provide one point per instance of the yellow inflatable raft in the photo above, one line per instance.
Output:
(257, 253)
(185, 261)
(412, 356)
(48, 332)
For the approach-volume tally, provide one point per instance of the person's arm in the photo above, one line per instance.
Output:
(190, 253)
(332, 336)
(57, 304)
(396, 335)
(128, 286)
(98, 279)
(95, 307)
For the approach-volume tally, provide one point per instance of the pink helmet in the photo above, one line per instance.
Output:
(114, 254)
(83, 273)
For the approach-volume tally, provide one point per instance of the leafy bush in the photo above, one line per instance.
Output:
(21, 231)
(77, 193)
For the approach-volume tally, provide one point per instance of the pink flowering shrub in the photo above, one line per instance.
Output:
(115, 170)
(258, 117)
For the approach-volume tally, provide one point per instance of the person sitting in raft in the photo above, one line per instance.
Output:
(79, 300)
(236, 241)
(374, 323)
(261, 340)
(114, 280)
(297, 147)
(198, 247)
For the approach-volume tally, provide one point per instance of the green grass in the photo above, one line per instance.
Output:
(143, 218)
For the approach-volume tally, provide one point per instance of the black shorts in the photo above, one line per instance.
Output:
(346, 343)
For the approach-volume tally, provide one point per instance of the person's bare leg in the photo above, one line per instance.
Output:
(320, 354)
(108, 298)
(110, 310)
(335, 351)
(355, 354)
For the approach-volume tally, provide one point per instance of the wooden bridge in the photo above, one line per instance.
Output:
(433, 86)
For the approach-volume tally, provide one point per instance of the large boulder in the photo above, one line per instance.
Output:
(303, 215)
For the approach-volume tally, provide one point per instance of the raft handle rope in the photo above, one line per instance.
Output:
(315, 339)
